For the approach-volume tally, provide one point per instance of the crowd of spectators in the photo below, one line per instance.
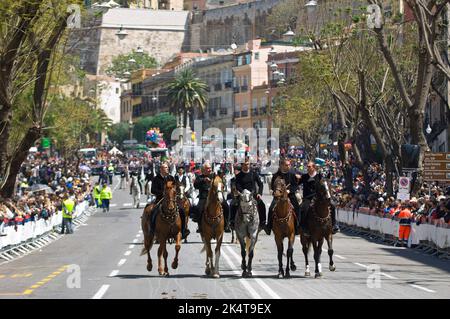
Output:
(43, 184)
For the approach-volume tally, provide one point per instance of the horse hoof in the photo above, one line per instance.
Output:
(249, 274)
(307, 274)
(293, 267)
(244, 274)
(216, 275)
(174, 265)
(280, 276)
(149, 267)
(207, 272)
(166, 274)
(318, 275)
(332, 268)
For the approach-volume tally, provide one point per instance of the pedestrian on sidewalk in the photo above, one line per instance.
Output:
(68, 207)
(105, 197)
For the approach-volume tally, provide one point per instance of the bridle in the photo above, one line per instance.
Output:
(215, 191)
(283, 197)
(169, 215)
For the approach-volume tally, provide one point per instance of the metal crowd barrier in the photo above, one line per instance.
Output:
(430, 239)
(37, 234)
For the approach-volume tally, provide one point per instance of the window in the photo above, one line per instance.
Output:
(244, 112)
(117, 90)
(256, 55)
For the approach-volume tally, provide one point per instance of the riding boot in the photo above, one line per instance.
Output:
(262, 214)
(303, 222)
(233, 210)
(333, 220)
(268, 228)
(226, 215)
(183, 223)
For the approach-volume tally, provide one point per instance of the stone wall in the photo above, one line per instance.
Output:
(232, 24)
(160, 44)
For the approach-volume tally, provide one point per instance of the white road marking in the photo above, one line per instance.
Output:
(101, 292)
(422, 288)
(135, 240)
(389, 276)
(114, 273)
(131, 247)
(340, 257)
(361, 265)
(138, 235)
(121, 262)
(127, 204)
(140, 232)
(128, 253)
(246, 285)
(112, 205)
(263, 285)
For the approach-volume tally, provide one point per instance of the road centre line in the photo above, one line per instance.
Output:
(361, 265)
(121, 262)
(422, 288)
(131, 247)
(389, 276)
(113, 273)
(246, 285)
(340, 257)
(135, 240)
(263, 285)
(101, 292)
(127, 253)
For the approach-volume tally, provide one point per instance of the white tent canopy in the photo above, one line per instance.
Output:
(115, 151)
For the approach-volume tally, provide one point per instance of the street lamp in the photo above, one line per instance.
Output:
(289, 35)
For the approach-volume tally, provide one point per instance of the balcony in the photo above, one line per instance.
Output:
(237, 114)
(228, 84)
(223, 111)
(244, 113)
(218, 87)
(236, 89)
(263, 110)
(254, 112)
(244, 88)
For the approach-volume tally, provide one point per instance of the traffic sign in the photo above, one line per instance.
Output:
(436, 167)
(403, 183)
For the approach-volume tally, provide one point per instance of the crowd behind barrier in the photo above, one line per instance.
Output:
(32, 229)
(433, 235)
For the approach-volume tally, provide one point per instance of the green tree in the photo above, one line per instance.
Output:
(31, 47)
(187, 93)
(121, 64)
(166, 122)
(119, 132)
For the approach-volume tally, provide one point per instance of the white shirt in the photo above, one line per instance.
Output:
(188, 183)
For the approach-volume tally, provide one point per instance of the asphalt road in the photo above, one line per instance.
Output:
(101, 260)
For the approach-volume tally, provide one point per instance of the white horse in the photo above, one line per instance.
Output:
(135, 191)
(246, 226)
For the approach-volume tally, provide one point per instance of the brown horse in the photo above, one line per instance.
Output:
(183, 201)
(168, 226)
(213, 224)
(283, 226)
(320, 228)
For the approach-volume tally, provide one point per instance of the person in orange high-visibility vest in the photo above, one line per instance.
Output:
(405, 218)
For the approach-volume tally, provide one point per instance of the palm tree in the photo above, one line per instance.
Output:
(186, 93)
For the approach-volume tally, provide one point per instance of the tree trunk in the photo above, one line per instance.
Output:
(32, 135)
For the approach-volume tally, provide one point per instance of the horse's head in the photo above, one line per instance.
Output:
(280, 189)
(322, 190)
(170, 193)
(246, 198)
(217, 188)
(180, 190)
